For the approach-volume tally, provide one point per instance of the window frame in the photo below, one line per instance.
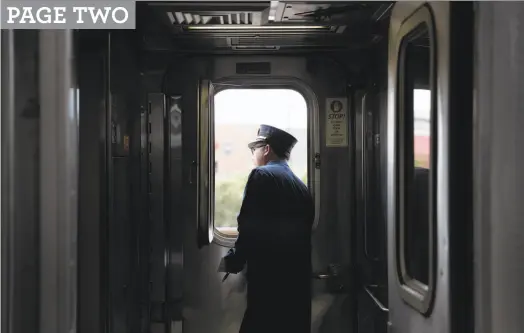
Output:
(313, 144)
(413, 292)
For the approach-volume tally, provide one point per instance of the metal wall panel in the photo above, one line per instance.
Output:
(175, 291)
(27, 169)
(93, 174)
(163, 158)
(124, 234)
(58, 182)
(498, 160)
(403, 317)
(20, 180)
(450, 310)
(112, 269)
(371, 226)
(170, 251)
(157, 184)
(40, 130)
(8, 180)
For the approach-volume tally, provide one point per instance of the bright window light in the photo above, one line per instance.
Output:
(238, 115)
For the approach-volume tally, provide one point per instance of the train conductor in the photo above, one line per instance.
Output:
(274, 239)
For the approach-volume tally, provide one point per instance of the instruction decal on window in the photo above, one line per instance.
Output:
(336, 122)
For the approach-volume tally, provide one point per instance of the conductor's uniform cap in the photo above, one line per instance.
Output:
(280, 141)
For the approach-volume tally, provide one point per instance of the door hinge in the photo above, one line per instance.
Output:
(337, 277)
(372, 141)
(390, 327)
(317, 161)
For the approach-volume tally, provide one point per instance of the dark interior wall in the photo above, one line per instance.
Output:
(332, 75)
(372, 104)
(126, 249)
(371, 109)
(110, 209)
(177, 75)
(23, 236)
(92, 73)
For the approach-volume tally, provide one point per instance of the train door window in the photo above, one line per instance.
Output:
(416, 167)
(238, 115)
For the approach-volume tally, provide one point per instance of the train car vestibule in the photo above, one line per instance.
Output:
(126, 154)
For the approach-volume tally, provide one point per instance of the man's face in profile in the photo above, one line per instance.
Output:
(259, 155)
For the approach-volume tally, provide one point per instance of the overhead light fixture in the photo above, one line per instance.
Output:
(255, 27)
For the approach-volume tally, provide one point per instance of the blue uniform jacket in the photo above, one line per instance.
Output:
(274, 240)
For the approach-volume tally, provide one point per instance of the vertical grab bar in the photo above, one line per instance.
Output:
(365, 139)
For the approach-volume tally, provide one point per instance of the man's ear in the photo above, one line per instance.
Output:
(267, 150)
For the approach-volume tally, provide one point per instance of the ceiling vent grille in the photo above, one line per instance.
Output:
(272, 42)
(215, 18)
(251, 41)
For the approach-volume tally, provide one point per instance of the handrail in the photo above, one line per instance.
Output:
(365, 141)
(376, 300)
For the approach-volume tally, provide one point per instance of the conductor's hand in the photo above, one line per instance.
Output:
(234, 264)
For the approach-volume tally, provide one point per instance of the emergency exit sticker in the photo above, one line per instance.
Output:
(336, 122)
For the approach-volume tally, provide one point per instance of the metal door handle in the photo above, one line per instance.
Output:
(321, 276)
(375, 298)
(332, 271)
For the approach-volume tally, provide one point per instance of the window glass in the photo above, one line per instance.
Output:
(421, 127)
(238, 115)
(416, 157)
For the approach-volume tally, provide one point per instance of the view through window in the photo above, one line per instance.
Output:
(238, 115)
(417, 159)
(422, 123)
